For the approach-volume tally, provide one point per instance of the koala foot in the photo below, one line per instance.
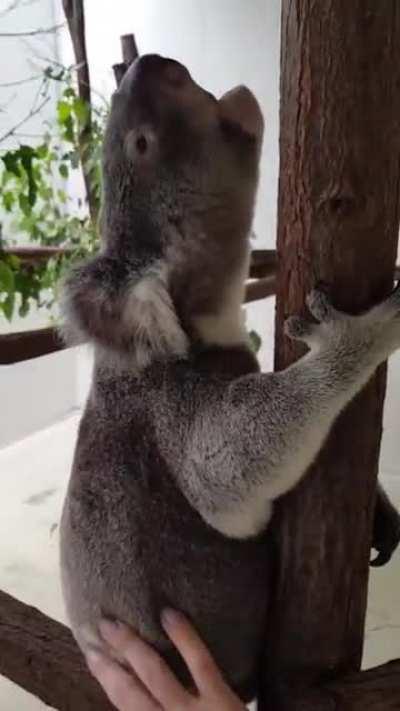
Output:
(386, 532)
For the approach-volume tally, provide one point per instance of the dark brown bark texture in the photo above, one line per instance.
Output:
(338, 224)
(75, 15)
(41, 656)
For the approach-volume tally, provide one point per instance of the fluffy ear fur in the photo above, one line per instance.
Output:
(241, 107)
(122, 309)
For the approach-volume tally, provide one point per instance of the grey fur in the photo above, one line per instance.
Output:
(183, 445)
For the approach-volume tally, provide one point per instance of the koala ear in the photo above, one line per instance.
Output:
(141, 145)
(241, 107)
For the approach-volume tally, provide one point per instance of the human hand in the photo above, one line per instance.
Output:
(152, 686)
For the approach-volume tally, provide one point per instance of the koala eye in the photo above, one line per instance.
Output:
(141, 144)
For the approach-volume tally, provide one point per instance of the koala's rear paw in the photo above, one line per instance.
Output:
(386, 534)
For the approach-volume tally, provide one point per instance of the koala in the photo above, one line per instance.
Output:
(184, 445)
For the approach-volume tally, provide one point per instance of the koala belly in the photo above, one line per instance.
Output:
(131, 545)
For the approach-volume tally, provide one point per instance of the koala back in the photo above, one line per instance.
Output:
(131, 543)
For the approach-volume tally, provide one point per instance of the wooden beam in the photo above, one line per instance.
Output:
(74, 11)
(31, 255)
(129, 49)
(338, 223)
(24, 345)
(41, 656)
(260, 289)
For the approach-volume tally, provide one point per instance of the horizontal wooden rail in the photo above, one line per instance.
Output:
(35, 255)
(263, 261)
(24, 345)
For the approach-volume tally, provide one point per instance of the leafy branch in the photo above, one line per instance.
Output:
(32, 33)
(33, 112)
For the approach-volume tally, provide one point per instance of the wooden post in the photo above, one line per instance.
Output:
(338, 223)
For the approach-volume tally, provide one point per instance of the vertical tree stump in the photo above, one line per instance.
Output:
(338, 223)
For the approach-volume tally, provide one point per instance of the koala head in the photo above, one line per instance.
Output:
(176, 150)
(180, 173)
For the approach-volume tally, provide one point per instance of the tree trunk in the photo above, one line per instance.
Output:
(75, 15)
(338, 224)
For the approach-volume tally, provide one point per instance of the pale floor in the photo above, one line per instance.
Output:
(33, 480)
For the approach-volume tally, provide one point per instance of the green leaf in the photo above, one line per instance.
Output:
(63, 169)
(27, 155)
(6, 278)
(68, 132)
(63, 112)
(11, 162)
(7, 306)
(81, 110)
(25, 204)
(255, 341)
(8, 201)
(70, 93)
(24, 308)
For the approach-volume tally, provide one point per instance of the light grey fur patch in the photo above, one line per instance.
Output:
(149, 311)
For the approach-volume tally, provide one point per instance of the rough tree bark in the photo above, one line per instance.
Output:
(75, 14)
(41, 656)
(338, 223)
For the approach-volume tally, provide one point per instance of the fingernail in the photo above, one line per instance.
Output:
(109, 629)
(170, 617)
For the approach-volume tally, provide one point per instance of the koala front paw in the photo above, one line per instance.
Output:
(376, 331)
(311, 333)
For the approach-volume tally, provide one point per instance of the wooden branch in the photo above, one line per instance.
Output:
(24, 345)
(41, 656)
(129, 52)
(260, 289)
(119, 72)
(377, 689)
(32, 33)
(263, 263)
(29, 256)
(129, 48)
(75, 15)
(338, 223)
(373, 690)
(33, 112)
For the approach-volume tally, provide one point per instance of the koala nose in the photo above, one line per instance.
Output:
(153, 68)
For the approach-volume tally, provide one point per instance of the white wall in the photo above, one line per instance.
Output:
(21, 58)
(36, 393)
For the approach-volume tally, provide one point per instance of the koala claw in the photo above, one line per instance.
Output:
(386, 534)
(299, 329)
(320, 306)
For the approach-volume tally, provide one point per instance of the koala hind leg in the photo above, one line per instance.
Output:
(386, 532)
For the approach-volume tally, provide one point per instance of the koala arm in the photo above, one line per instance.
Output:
(258, 434)
(124, 307)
